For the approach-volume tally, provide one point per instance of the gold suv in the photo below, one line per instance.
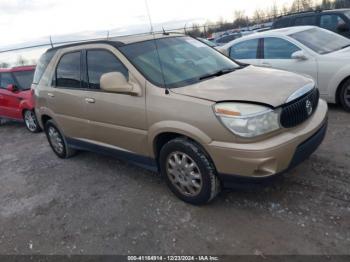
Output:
(173, 104)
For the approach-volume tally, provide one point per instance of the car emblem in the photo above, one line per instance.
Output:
(309, 108)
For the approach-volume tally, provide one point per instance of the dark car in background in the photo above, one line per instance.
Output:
(337, 20)
(227, 38)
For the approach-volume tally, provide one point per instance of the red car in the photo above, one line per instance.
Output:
(16, 97)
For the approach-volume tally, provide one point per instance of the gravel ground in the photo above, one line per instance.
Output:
(93, 204)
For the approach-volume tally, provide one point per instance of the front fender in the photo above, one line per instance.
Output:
(336, 80)
(177, 127)
(25, 105)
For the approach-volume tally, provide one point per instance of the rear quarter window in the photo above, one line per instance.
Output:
(44, 60)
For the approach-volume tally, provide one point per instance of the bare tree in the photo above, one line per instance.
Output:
(21, 61)
(4, 65)
(274, 10)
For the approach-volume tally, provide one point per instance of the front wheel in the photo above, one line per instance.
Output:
(30, 121)
(188, 171)
(345, 96)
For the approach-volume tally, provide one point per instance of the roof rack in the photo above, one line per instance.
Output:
(301, 12)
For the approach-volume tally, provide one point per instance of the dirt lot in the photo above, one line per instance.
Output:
(93, 204)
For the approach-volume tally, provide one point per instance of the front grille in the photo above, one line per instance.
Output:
(297, 111)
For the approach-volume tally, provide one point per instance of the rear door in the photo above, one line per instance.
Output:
(277, 53)
(9, 101)
(246, 52)
(67, 96)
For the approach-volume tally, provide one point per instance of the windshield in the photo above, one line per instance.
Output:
(321, 41)
(183, 60)
(24, 79)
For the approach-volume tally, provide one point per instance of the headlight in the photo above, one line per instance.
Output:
(247, 120)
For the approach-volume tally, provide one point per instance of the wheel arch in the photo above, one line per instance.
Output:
(44, 118)
(339, 87)
(162, 133)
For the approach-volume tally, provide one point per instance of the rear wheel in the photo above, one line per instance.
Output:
(188, 171)
(30, 121)
(57, 141)
(344, 95)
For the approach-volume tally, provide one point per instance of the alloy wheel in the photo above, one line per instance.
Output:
(56, 140)
(30, 120)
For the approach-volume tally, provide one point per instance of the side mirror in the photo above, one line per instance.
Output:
(115, 82)
(343, 28)
(299, 55)
(11, 88)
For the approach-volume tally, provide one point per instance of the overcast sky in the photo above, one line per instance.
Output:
(26, 20)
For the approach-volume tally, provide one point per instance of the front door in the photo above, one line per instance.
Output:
(277, 53)
(9, 101)
(116, 120)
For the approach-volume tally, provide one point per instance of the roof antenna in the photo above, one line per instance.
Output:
(51, 42)
(107, 35)
(156, 46)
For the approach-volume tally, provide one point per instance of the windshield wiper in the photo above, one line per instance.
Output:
(345, 46)
(218, 73)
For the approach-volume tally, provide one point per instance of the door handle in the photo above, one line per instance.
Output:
(50, 95)
(90, 100)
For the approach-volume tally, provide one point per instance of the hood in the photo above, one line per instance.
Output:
(340, 55)
(251, 84)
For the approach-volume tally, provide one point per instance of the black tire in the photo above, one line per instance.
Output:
(64, 151)
(344, 95)
(210, 184)
(31, 121)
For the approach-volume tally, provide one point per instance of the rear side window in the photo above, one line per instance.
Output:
(228, 38)
(245, 50)
(68, 72)
(41, 66)
(24, 79)
(100, 62)
(6, 79)
(277, 48)
(305, 20)
(283, 22)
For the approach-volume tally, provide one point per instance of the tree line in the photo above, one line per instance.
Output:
(263, 16)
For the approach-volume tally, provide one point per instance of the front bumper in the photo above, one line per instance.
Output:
(272, 156)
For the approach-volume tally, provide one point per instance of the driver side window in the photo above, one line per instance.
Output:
(331, 22)
(100, 62)
(277, 48)
(5, 80)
